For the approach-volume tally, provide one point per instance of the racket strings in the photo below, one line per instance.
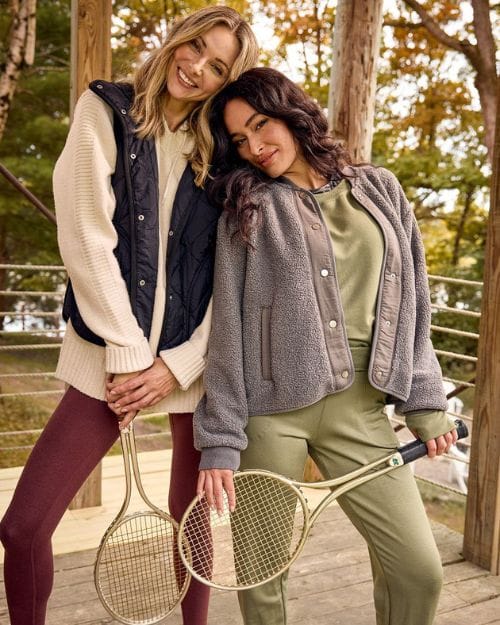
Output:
(256, 541)
(134, 572)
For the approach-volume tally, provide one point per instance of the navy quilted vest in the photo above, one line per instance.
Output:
(191, 244)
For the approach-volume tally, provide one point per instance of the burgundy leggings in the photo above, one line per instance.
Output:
(76, 438)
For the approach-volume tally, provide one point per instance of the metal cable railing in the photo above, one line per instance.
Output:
(448, 280)
(16, 385)
(27, 378)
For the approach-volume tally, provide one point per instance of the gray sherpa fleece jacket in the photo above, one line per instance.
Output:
(268, 349)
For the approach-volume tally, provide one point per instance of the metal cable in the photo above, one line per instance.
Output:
(34, 267)
(471, 335)
(454, 280)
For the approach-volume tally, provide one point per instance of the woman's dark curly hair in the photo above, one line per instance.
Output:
(233, 181)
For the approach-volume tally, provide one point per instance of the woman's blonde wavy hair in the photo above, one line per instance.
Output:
(150, 83)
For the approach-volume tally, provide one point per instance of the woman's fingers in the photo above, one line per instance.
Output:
(431, 448)
(122, 383)
(229, 488)
(143, 390)
(138, 401)
(441, 444)
(200, 486)
(213, 483)
(450, 438)
(126, 420)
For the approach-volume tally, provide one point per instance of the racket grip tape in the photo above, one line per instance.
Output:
(418, 449)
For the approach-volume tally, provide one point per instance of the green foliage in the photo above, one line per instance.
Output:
(25, 412)
(34, 137)
(307, 27)
(142, 25)
(429, 132)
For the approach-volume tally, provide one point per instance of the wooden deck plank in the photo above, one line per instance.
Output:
(330, 584)
(484, 613)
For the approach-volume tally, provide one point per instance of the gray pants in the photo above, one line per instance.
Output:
(342, 432)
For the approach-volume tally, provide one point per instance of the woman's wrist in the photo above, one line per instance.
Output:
(429, 424)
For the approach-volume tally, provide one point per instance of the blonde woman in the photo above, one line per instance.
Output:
(137, 236)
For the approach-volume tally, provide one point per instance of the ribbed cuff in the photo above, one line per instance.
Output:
(220, 458)
(128, 359)
(429, 424)
(185, 362)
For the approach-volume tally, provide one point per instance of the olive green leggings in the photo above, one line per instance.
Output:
(342, 432)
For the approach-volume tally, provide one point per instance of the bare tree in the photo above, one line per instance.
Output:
(351, 99)
(20, 52)
(480, 55)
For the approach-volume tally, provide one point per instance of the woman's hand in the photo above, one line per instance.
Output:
(212, 483)
(441, 444)
(142, 390)
(119, 378)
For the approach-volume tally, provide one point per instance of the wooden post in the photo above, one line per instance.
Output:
(351, 99)
(90, 44)
(90, 59)
(482, 520)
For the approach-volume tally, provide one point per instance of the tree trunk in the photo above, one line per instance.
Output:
(4, 260)
(469, 194)
(482, 518)
(20, 52)
(486, 79)
(351, 100)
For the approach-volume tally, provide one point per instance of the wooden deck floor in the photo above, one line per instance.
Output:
(329, 585)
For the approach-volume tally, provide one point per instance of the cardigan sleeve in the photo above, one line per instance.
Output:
(426, 392)
(222, 414)
(85, 204)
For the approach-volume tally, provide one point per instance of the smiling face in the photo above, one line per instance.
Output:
(200, 67)
(265, 142)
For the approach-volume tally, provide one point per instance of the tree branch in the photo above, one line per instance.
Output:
(434, 29)
(403, 24)
(484, 34)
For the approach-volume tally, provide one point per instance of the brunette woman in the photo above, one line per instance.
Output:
(321, 317)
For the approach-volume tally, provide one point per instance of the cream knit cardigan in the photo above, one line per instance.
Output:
(85, 203)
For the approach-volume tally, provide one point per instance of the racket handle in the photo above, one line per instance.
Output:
(418, 449)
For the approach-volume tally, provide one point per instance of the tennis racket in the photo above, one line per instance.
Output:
(266, 532)
(138, 573)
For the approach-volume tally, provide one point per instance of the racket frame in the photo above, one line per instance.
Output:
(131, 467)
(344, 483)
(338, 486)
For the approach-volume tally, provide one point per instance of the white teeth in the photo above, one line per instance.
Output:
(185, 78)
